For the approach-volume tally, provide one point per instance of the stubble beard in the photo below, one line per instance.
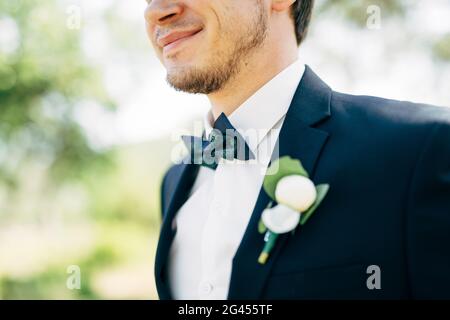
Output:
(224, 64)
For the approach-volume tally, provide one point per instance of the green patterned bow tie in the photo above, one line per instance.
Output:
(223, 142)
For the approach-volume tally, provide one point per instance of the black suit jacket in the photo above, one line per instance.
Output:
(388, 166)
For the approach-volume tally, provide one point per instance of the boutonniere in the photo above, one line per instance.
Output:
(288, 185)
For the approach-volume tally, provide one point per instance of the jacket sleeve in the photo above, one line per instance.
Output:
(428, 218)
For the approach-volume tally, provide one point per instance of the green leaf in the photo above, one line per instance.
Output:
(322, 190)
(261, 227)
(280, 168)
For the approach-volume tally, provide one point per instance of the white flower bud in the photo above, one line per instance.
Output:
(296, 192)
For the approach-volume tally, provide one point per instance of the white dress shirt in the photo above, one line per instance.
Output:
(211, 223)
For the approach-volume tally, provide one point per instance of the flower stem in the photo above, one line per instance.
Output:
(270, 243)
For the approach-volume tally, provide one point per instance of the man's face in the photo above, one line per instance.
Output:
(204, 43)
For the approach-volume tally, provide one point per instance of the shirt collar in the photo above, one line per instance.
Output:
(258, 114)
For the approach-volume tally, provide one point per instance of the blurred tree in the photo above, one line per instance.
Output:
(43, 74)
(441, 47)
(356, 12)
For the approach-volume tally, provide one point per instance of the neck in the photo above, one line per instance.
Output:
(254, 72)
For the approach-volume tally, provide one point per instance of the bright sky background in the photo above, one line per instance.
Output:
(353, 60)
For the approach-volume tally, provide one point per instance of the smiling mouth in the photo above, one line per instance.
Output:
(174, 40)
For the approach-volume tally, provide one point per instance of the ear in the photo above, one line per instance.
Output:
(281, 5)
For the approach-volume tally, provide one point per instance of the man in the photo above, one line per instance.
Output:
(383, 229)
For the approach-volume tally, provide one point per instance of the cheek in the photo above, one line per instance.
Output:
(229, 19)
(217, 28)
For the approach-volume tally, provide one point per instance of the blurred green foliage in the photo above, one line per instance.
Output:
(115, 244)
(41, 80)
(50, 174)
(354, 11)
(441, 47)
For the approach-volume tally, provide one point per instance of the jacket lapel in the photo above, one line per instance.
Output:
(183, 181)
(300, 140)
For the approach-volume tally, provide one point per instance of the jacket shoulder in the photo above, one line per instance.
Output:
(400, 113)
(399, 128)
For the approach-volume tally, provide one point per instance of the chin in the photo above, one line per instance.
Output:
(182, 64)
(178, 72)
(185, 56)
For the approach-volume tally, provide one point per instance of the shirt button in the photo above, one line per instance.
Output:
(205, 288)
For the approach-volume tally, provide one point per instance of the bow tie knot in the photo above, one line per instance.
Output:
(224, 142)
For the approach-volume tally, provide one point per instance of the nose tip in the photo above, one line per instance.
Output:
(162, 11)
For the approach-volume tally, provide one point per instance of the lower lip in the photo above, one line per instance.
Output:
(174, 45)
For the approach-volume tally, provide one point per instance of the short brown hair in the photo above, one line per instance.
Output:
(301, 12)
